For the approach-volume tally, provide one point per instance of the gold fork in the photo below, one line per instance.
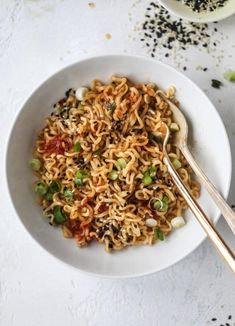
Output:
(196, 209)
(180, 141)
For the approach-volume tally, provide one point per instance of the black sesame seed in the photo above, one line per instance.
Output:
(213, 319)
(171, 33)
(67, 93)
(230, 316)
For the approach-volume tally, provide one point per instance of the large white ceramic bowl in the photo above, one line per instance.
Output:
(210, 146)
(179, 9)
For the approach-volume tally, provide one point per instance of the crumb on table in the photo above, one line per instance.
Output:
(91, 4)
(108, 36)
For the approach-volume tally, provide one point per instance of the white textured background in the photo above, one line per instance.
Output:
(36, 38)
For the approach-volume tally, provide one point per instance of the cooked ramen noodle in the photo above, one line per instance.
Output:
(99, 165)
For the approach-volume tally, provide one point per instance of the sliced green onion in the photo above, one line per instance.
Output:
(159, 234)
(230, 75)
(68, 194)
(177, 222)
(121, 163)
(174, 126)
(146, 173)
(59, 215)
(216, 83)
(78, 181)
(151, 222)
(77, 147)
(147, 180)
(166, 199)
(49, 196)
(97, 152)
(81, 93)
(54, 187)
(41, 188)
(35, 164)
(164, 207)
(176, 163)
(149, 175)
(158, 204)
(79, 177)
(113, 175)
(152, 171)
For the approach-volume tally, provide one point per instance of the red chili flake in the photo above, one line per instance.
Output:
(155, 214)
(57, 146)
(73, 226)
(103, 207)
(144, 203)
(54, 146)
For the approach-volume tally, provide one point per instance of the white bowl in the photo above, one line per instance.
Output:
(211, 149)
(183, 11)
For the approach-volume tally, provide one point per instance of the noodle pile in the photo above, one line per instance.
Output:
(101, 173)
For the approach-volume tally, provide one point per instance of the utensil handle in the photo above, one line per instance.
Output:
(224, 208)
(201, 217)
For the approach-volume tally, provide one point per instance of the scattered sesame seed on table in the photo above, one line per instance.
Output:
(160, 29)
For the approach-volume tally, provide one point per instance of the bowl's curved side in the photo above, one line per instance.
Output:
(134, 261)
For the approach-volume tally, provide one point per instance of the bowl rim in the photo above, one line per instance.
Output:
(53, 75)
(202, 20)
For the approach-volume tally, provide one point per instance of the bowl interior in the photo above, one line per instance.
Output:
(207, 136)
(183, 11)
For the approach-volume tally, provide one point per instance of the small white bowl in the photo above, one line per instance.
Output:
(211, 149)
(177, 8)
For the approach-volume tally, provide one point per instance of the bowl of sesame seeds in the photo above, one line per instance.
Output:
(200, 11)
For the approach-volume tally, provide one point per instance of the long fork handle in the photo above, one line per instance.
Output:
(224, 208)
(201, 217)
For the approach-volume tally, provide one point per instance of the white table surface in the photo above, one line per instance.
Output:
(36, 39)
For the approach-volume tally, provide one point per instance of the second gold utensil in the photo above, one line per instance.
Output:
(181, 142)
(197, 210)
